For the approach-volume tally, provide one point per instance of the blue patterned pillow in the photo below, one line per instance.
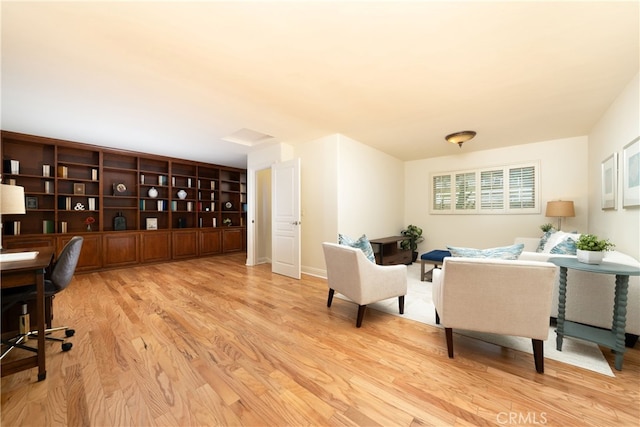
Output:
(565, 247)
(362, 243)
(543, 240)
(503, 252)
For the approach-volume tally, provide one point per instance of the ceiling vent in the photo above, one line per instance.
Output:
(248, 137)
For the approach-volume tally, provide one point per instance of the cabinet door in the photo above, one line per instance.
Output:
(156, 246)
(233, 240)
(121, 249)
(91, 253)
(184, 244)
(210, 242)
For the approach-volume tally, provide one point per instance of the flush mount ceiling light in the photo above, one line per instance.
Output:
(460, 137)
(247, 137)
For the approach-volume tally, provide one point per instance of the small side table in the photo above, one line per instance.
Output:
(613, 339)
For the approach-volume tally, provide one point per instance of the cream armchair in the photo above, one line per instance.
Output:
(350, 273)
(495, 296)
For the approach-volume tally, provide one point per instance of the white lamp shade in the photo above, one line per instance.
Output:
(11, 199)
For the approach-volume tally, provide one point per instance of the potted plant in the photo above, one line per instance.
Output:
(413, 234)
(590, 248)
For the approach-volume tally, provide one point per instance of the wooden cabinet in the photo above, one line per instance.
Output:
(388, 252)
(130, 207)
(232, 240)
(121, 249)
(185, 244)
(156, 246)
(210, 242)
(91, 253)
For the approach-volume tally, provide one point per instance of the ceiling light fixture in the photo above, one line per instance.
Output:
(460, 137)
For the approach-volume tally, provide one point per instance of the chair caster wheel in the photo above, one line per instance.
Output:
(69, 332)
(66, 346)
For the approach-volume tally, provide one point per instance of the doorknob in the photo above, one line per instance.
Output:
(296, 223)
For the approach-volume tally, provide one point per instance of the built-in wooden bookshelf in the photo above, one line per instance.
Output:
(130, 207)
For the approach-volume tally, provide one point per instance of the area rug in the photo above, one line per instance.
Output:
(419, 307)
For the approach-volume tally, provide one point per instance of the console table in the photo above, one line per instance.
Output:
(613, 339)
(389, 253)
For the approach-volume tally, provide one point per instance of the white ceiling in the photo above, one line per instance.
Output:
(175, 78)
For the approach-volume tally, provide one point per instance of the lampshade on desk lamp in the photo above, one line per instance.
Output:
(11, 202)
(560, 209)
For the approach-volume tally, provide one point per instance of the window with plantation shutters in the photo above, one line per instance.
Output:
(492, 190)
(466, 191)
(511, 189)
(442, 193)
(522, 188)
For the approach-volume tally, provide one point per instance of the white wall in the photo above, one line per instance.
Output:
(562, 166)
(347, 187)
(618, 126)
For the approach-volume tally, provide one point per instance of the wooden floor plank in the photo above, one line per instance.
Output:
(211, 341)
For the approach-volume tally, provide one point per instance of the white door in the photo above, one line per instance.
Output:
(285, 196)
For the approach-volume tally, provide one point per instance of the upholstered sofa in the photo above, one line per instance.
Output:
(590, 295)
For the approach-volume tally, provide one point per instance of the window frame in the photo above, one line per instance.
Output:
(532, 190)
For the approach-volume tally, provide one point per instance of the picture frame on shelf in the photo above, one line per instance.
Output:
(31, 202)
(78, 189)
(152, 223)
(631, 174)
(609, 172)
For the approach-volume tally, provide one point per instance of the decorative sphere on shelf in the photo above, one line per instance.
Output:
(182, 194)
(153, 192)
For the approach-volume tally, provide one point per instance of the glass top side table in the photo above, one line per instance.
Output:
(613, 339)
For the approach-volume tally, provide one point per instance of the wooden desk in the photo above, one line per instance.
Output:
(21, 273)
(613, 339)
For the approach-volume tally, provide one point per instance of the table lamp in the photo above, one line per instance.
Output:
(11, 202)
(560, 209)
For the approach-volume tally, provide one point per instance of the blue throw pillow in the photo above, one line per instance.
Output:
(544, 239)
(362, 243)
(503, 252)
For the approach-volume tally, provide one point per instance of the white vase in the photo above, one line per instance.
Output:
(590, 257)
(182, 194)
(152, 192)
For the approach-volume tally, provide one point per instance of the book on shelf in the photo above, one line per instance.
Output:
(92, 203)
(63, 226)
(141, 178)
(213, 186)
(94, 174)
(189, 206)
(12, 166)
(215, 223)
(174, 205)
(64, 202)
(63, 171)
(160, 205)
(48, 187)
(142, 204)
(189, 182)
(46, 170)
(11, 228)
(47, 226)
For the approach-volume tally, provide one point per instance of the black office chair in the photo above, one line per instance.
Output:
(58, 279)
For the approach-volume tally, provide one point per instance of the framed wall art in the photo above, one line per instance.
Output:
(78, 188)
(31, 202)
(631, 174)
(610, 182)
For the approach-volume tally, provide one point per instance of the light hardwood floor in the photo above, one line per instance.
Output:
(213, 342)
